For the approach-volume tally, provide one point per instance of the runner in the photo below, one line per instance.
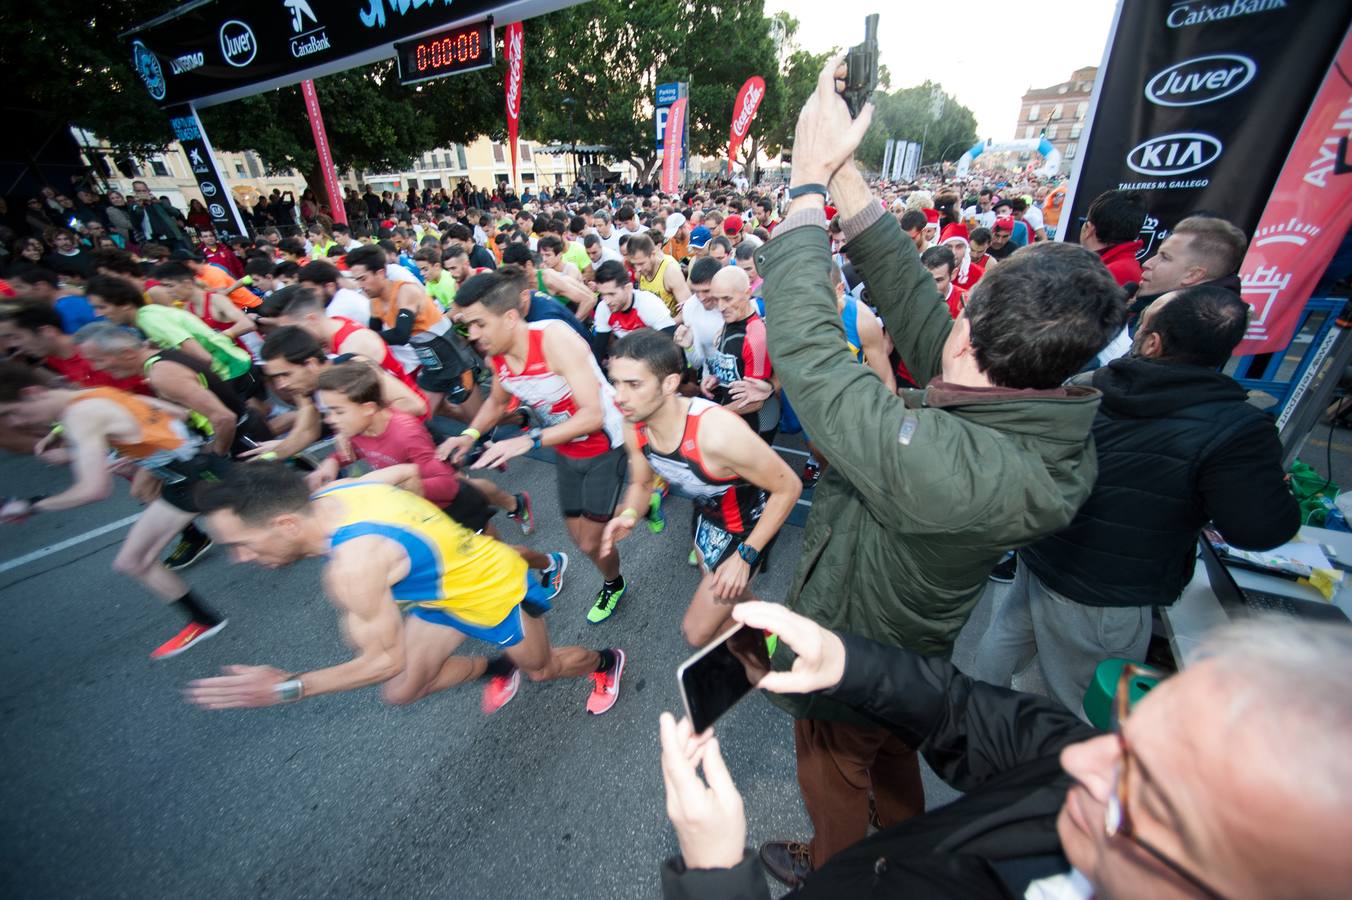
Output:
(742, 490)
(658, 273)
(546, 366)
(551, 284)
(624, 309)
(152, 434)
(390, 551)
(740, 355)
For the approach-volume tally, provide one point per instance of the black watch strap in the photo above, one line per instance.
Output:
(802, 189)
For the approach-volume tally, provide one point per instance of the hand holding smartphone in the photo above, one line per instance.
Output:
(725, 671)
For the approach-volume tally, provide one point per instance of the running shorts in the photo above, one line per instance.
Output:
(590, 487)
(470, 507)
(182, 479)
(506, 633)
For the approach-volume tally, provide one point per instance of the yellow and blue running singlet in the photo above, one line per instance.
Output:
(456, 578)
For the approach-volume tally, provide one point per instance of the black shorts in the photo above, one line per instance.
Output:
(248, 385)
(470, 507)
(447, 366)
(184, 478)
(590, 487)
(716, 544)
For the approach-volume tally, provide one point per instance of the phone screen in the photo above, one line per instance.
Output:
(715, 678)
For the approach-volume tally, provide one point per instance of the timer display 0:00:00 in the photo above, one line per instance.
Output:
(447, 51)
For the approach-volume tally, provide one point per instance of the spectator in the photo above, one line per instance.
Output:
(1112, 229)
(1200, 250)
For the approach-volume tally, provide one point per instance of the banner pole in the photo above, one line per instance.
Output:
(316, 116)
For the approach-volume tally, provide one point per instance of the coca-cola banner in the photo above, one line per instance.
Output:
(512, 49)
(743, 111)
(675, 147)
(1196, 105)
(1306, 218)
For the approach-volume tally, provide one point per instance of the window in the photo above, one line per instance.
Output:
(239, 169)
(429, 161)
(1033, 112)
(158, 167)
(1063, 88)
(255, 170)
(460, 156)
(1081, 109)
(413, 184)
(431, 182)
(528, 177)
(1057, 110)
(1030, 132)
(1075, 131)
(1070, 151)
(499, 153)
(525, 152)
(446, 158)
(1051, 132)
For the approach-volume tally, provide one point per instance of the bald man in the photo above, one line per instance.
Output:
(738, 372)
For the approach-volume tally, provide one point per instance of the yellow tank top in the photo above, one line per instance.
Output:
(472, 577)
(658, 284)
(162, 434)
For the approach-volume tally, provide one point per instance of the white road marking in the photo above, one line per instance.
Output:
(66, 544)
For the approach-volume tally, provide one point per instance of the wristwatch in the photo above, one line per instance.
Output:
(534, 435)
(289, 691)
(749, 553)
(811, 188)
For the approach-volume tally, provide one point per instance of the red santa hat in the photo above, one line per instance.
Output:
(953, 229)
(932, 216)
(1004, 223)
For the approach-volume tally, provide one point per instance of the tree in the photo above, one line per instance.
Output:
(924, 112)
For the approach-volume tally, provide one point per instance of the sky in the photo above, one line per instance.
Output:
(986, 53)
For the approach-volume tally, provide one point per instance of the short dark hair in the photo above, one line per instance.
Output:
(356, 380)
(1018, 204)
(1216, 241)
(30, 314)
(371, 258)
(298, 300)
(116, 290)
(292, 343)
(721, 241)
(258, 266)
(1117, 216)
(913, 220)
(551, 243)
(256, 492)
(591, 240)
(703, 270)
(35, 275)
(655, 349)
(612, 272)
(14, 377)
(979, 235)
(641, 243)
(429, 255)
(517, 254)
(453, 251)
(576, 224)
(499, 291)
(1040, 315)
(292, 245)
(458, 232)
(115, 260)
(174, 270)
(1201, 325)
(315, 272)
(934, 257)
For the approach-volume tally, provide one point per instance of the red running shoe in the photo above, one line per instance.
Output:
(192, 633)
(606, 686)
(500, 690)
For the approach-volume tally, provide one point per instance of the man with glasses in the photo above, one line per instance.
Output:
(1229, 780)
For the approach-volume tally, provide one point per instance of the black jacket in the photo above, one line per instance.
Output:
(998, 746)
(1178, 446)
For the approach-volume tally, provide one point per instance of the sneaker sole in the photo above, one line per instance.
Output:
(175, 567)
(210, 632)
(619, 675)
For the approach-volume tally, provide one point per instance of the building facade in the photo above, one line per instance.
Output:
(1060, 111)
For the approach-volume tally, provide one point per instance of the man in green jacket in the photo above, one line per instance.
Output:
(925, 491)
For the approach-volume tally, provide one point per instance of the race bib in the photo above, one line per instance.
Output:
(711, 541)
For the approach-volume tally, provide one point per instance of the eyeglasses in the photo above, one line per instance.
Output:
(1117, 820)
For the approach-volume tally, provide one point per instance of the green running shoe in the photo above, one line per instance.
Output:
(606, 600)
(657, 520)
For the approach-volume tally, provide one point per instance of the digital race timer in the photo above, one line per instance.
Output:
(448, 52)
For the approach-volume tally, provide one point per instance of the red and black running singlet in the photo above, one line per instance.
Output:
(387, 362)
(733, 504)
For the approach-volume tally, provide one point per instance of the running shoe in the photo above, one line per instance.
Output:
(657, 520)
(192, 633)
(694, 558)
(523, 515)
(551, 579)
(606, 600)
(606, 686)
(499, 690)
(812, 473)
(1004, 571)
(191, 545)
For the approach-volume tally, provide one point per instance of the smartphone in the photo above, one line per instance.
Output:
(715, 678)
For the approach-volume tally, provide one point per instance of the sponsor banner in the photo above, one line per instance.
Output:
(1306, 218)
(316, 116)
(512, 44)
(1197, 103)
(743, 111)
(192, 137)
(217, 50)
(887, 156)
(672, 166)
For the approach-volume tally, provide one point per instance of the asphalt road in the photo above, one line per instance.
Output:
(115, 787)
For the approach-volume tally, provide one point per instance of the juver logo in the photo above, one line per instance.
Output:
(1203, 79)
(238, 45)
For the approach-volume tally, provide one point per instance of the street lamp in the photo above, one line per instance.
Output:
(569, 103)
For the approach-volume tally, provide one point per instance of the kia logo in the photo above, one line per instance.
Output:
(217, 211)
(1203, 79)
(237, 43)
(208, 189)
(1174, 154)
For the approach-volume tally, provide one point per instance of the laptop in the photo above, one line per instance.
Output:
(1245, 601)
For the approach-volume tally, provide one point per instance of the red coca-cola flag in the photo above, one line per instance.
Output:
(674, 149)
(1306, 217)
(512, 47)
(743, 111)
